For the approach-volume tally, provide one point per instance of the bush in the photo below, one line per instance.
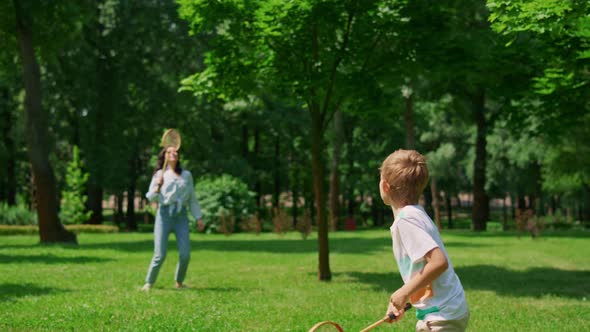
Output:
(32, 230)
(16, 215)
(73, 208)
(224, 197)
(92, 229)
(18, 230)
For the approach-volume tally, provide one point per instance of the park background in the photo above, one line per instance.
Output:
(286, 110)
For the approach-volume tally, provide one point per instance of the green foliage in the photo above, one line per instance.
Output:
(224, 197)
(559, 25)
(73, 209)
(16, 215)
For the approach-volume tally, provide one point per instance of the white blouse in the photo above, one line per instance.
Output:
(176, 191)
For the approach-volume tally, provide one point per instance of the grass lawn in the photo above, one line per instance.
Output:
(268, 283)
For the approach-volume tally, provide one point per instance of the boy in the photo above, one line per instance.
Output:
(430, 282)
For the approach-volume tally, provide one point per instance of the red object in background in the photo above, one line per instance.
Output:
(350, 224)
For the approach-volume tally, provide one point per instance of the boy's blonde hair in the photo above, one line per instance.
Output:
(406, 173)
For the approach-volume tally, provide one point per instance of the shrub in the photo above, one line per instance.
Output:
(16, 215)
(18, 230)
(304, 224)
(92, 228)
(281, 221)
(31, 230)
(224, 197)
(73, 209)
(252, 224)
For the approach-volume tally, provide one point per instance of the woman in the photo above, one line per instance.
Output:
(173, 189)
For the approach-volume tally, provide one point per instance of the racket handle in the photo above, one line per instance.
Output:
(392, 316)
(389, 317)
(163, 170)
(374, 325)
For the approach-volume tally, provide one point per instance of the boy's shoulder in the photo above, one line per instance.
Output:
(416, 212)
(413, 215)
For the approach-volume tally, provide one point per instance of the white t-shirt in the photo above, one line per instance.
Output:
(413, 235)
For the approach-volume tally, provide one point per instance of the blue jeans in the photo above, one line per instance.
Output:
(167, 222)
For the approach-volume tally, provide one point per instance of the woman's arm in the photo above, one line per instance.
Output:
(153, 194)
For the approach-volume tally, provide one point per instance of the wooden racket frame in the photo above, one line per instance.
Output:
(316, 326)
(164, 145)
(387, 318)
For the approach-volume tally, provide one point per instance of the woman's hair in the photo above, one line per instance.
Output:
(162, 158)
(406, 173)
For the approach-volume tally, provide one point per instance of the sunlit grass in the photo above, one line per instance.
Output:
(268, 283)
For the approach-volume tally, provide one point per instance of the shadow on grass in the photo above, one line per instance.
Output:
(278, 245)
(201, 289)
(11, 292)
(50, 259)
(534, 282)
(39, 245)
(525, 235)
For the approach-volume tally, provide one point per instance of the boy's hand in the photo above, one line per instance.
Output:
(200, 225)
(399, 299)
(393, 312)
(394, 315)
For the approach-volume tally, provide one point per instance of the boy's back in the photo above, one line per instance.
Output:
(413, 235)
(430, 282)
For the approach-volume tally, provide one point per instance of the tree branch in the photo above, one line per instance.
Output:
(337, 61)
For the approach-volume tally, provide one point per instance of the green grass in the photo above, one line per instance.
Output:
(268, 283)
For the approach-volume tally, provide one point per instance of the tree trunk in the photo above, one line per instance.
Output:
(335, 173)
(428, 201)
(553, 205)
(50, 229)
(9, 183)
(538, 203)
(36, 129)
(130, 218)
(480, 212)
(513, 201)
(409, 119)
(94, 204)
(504, 214)
(258, 181)
(449, 210)
(308, 198)
(295, 197)
(277, 174)
(244, 141)
(435, 204)
(586, 214)
(131, 223)
(96, 125)
(118, 214)
(317, 164)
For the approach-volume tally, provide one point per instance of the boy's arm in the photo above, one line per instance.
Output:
(436, 264)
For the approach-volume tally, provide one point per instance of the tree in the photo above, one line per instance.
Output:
(73, 209)
(50, 229)
(303, 49)
(559, 98)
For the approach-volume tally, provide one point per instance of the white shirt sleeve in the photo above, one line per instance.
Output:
(192, 200)
(152, 195)
(415, 239)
